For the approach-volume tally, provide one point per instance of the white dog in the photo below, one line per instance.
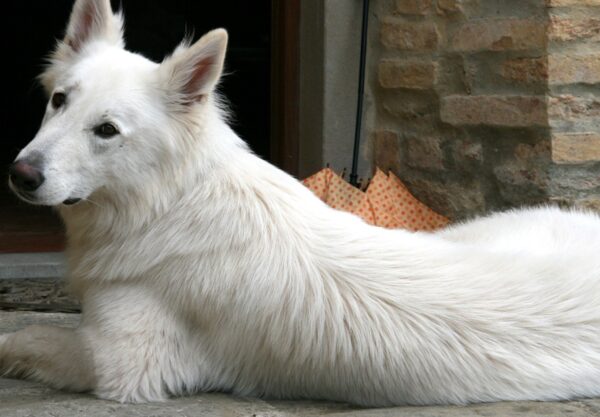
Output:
(201, 267)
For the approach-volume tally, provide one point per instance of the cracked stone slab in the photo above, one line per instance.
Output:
(11, 321)
(28, 399)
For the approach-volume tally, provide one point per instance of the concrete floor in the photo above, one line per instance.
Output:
(27, 399)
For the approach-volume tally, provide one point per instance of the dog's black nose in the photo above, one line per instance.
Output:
(25, 175)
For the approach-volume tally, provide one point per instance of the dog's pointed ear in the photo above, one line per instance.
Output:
(93, 20)
(193, 71)
(90, 20)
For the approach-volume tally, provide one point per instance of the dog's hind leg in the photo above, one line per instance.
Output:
(56, 356)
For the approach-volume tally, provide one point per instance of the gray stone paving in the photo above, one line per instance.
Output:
(27, 399)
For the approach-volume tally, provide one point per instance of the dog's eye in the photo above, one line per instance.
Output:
(58, 99)
(106, 130)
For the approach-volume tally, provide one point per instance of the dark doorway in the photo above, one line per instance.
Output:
(153, 28)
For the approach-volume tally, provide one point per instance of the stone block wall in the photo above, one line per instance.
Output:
(483, 105)
(574, 100)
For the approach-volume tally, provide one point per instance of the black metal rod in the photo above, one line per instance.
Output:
(361, 92)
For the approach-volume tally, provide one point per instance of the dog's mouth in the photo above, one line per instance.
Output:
(25, 197)
(29, 198)
(71, 201)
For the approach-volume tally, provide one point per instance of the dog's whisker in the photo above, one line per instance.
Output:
(89, 200)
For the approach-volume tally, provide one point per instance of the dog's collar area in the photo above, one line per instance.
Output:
(71, 201)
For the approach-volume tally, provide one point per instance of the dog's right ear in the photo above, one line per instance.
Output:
(91, 20)
(192, 72)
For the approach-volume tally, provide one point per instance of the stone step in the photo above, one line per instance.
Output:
(32, 265)
(34, 282)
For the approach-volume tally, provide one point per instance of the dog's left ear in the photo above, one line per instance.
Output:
(192, 72)
(93, 20)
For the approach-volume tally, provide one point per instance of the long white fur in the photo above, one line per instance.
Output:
(202, 267)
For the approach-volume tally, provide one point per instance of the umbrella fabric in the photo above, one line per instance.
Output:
(386, 203)
(340, 195)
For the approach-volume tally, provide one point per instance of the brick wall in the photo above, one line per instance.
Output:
(488, 104)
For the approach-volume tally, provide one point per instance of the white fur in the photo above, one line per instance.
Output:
(201, 267)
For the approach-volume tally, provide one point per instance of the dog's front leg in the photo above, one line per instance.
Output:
(56, 356)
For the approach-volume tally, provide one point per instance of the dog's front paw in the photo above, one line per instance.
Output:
(3, 344)
(3, 353)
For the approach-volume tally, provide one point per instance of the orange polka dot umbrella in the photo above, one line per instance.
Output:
(386, 203)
